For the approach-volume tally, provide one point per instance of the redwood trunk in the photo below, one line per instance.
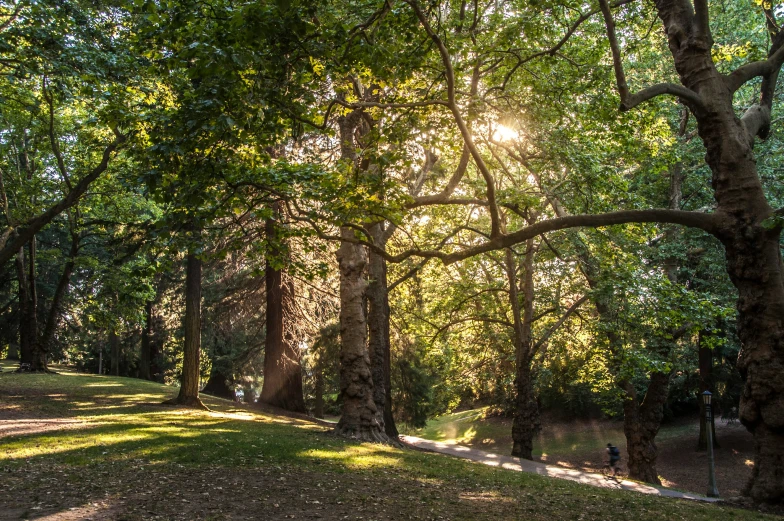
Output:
(189, 387)
(282, 385)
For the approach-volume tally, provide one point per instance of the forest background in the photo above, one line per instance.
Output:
(391, 210)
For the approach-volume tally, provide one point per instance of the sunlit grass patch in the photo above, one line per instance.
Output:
(121, 427)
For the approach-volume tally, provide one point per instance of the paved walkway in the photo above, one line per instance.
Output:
(553, 471)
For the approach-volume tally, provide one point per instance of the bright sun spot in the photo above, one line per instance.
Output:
(504, 133)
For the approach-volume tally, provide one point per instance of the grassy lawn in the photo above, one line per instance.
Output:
(75, 446)
(473, 428)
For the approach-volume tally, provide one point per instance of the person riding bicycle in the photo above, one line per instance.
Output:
(615, 457)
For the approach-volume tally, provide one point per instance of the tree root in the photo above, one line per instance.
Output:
(371, 434)
(44, 370)
(191, 402)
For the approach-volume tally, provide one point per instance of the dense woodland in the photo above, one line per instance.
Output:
(384, 210)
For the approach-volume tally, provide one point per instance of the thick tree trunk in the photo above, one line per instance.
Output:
(752, 249)
(526, 414)
(189, 386)
(359, 413)
(114, 349)
(641, 422)
(282, 385)
(378, 334)
(145, 358)
(706, 384)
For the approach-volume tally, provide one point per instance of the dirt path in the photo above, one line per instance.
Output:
(553, 471)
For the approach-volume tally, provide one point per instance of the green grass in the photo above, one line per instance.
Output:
(116, 424)
(473, 428)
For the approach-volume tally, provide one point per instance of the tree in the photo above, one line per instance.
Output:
(282, 366)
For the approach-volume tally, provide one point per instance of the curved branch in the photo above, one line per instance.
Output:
(628, 100)
(699, 220)
(30, 228)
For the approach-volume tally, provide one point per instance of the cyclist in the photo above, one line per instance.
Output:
(615, 456)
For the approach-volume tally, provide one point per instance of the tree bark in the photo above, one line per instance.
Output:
(752, 248)
(641, 422)
(526, 415)
(114, 349)
(359, 414)
(282, 386)
(377, 294)
(25, 336)
(189, 386)
(39, 354)
(359, 418)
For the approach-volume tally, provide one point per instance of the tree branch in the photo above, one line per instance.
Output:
(34, 225)
(546, 337)
(628, 100)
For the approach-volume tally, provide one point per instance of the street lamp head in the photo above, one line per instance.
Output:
(706, 397)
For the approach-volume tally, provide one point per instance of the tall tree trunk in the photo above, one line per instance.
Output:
(282, 385)
(641, 422)
(706, 384)
(39, 354)
(378, 333)
(742, 217)
(189, 386)
(25, 338)
(114, 349)
(526, 414)
(145, 358)
(359, 413)
(53, 318)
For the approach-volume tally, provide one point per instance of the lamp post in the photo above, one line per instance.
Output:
(706, 399)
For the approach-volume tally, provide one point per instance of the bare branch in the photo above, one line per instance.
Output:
(461, 124)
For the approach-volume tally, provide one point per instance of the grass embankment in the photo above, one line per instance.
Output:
(581, 445)
(474, 428)
(75, 446)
